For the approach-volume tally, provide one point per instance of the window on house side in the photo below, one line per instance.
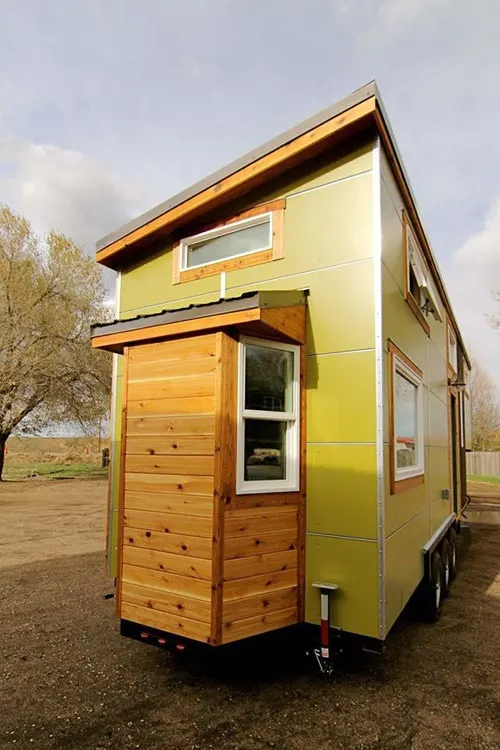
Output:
(452, 350)
(407, 421)
(231, 241)
(419, 283)
(268, 417)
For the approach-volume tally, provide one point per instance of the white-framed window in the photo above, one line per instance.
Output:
(233, 240)
(268, 444)
(452, 350)
(408, 420)
(419, 282)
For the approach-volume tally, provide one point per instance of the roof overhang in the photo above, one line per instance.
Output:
(309, 138)
(275, 315)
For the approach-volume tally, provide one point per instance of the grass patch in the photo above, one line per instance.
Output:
(47, 469)
(483, 479)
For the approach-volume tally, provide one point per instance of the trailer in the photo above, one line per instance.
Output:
(291, 406)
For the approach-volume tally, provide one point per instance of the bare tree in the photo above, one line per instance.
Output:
(50, 292)
(485, 410)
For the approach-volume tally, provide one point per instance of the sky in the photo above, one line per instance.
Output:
(110, 107)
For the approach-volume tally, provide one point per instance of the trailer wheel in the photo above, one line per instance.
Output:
(446, 567)
(452, 539)
(433, 589)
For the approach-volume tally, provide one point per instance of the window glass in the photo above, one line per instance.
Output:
(269, 375)
(414, 287)
(265, 450)
(406, 421)
(244, 240)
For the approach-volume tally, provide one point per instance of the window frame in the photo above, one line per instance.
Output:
(223, 231)
(272, 212)
(407, 477)
(291, 483)
(414, 261)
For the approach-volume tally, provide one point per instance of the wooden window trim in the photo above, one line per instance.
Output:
(276, 252)
(400, 485)
(410, 299)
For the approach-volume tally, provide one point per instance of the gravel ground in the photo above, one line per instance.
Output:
(68, 680)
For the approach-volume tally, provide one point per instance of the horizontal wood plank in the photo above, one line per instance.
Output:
(191, 567)
(195, 588)
(163, 541)
(239, 629)
(198, 631)
(169, 523)
(180, 349)
(193, 505)
(252, 606)
(277, 541)
(165, 601)
(259, 521)
(156, 445)
(245, 567)
(191, 425)
(193, 466)
(261, 584)
(170, 407)
(139, 390)
(179, 368)
(263, 501)
(170, 484)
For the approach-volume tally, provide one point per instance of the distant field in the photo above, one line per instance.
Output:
(54, 457)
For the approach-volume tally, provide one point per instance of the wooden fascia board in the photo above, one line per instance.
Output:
(223, 190)
(416, 223)
(288, 322)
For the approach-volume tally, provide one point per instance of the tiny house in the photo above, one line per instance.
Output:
(290, 408)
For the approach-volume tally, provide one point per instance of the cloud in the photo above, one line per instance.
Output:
(473, 281)
(389, 18)
(63, 190)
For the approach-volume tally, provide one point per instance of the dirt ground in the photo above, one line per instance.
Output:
(42, 520)
(69, 681)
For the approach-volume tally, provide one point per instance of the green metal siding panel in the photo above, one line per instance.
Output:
(353, 566)
(341, 398)
(404, 570)
(342, 490)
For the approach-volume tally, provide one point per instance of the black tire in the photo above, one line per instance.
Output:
(433, 589)
(446, 566)
(452, 539)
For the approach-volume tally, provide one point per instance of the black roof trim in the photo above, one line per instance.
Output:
(247, 301)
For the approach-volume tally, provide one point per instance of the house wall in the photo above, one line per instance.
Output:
(412, 516)
(328, 242)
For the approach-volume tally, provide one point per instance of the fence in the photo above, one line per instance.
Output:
(484, 463)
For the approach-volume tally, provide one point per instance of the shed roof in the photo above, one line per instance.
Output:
(358, 96)
(208, 315)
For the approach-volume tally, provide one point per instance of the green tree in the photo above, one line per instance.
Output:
(50, 293)
(485, 410)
